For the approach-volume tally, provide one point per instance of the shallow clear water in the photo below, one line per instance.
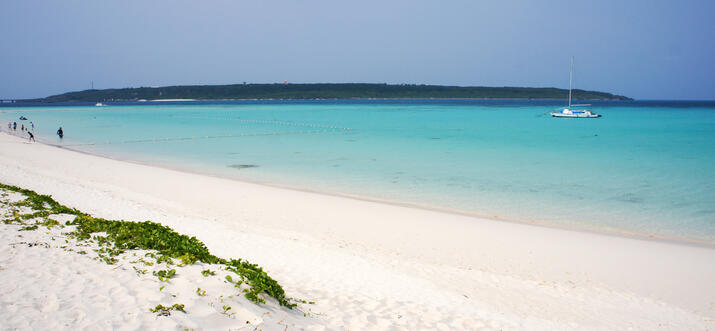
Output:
(645, 167)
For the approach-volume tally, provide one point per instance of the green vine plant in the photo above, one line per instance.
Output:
(166, 311)
(225, 310)
(165, 275)
(116, 237)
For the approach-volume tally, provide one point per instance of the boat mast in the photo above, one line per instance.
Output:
(570, 80)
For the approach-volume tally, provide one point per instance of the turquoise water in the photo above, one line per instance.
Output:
(645, 167)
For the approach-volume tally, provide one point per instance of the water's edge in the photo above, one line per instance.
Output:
(496, 218)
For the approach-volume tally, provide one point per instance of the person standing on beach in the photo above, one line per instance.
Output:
(60, 132)
(22, 128)
(32, 136)
(14, 126)
(33, 126)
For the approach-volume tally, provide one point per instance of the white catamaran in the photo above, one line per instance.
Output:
(583, 111)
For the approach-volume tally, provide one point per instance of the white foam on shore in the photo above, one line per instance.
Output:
(369, 265)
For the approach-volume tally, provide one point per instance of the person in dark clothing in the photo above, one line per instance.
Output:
(60, 132)
(14, 126)
(32, 136)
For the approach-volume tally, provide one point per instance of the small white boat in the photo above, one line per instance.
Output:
(570, 112)
(99, 104)
(576, 113)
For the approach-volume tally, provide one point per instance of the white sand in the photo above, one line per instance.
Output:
(366, 265)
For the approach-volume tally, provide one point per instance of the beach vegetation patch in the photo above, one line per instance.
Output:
(40, 202)
(29, 228)
(116, 237)
(49, 223)
(165, 275)
(225, 310)
(258, 282)
(38, 214)
(187, 259)
(161, 310)
(145, 262)
(139, 271)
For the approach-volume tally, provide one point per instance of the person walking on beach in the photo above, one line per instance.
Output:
(14, 126)
(60, 132)
(32, 136)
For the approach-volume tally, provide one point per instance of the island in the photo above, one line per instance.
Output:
(323, 91)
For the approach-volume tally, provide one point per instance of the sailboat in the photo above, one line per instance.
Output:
(581, 111)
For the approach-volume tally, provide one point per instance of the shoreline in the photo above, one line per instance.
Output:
(329, 247)
(533, 222)
(474, 214)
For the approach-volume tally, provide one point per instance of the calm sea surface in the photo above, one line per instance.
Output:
(644, 167)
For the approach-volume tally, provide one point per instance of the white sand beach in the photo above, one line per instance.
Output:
(366, 265)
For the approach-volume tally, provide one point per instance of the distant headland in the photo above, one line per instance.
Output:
(324, 91)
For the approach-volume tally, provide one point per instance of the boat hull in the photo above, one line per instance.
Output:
(575, 115)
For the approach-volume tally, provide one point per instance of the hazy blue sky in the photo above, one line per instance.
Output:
(642, 49)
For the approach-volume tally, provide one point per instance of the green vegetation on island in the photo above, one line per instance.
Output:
(325, 91)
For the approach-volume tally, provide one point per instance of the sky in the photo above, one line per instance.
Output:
(641, 49)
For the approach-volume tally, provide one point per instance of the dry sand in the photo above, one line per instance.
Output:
(367, 265)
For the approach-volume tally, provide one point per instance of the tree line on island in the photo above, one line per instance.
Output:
(324, 91)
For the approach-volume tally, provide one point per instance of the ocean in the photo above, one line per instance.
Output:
(645, 167)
